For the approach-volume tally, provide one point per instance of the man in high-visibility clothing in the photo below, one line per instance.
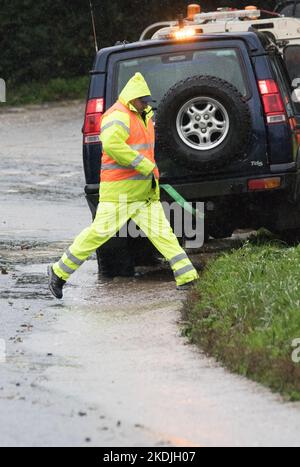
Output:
(129, 189)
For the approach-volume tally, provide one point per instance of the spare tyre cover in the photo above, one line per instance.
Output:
(203, 122)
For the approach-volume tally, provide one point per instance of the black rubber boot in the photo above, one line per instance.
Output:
(55, 283)
(186, 286)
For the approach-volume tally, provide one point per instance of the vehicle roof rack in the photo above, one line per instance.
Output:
(284, 30)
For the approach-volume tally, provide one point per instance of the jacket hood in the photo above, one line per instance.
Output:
(136, 87)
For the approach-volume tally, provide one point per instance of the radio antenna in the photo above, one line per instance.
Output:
(93, 24)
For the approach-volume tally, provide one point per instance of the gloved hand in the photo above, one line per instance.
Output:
(155, 192)
(153, 181)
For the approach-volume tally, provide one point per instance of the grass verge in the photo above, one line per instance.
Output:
(245, 312)
(54, 90)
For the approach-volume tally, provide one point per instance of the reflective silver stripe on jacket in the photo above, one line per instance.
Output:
(140, 177)
(178, 258)
(184, 270)
(137, 160)
(115, 122)
(140, 147)
(111, 166)
(65, 268)
(114, 167)
(73, 258)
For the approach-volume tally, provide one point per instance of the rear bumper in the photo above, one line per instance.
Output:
(231, 202)
(204, 190)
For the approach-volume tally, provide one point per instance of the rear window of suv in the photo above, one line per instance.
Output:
(163, 71)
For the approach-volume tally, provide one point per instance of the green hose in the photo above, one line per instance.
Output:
(181, 201)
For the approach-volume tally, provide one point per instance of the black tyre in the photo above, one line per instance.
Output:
(120, 256)
(114, 259)
(203, 122)
(143, 252)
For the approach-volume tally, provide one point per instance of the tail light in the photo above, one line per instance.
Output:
(92, 122)
(264, 184)
(272, 100)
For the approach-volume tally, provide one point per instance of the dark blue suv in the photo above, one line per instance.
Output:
(227, 131)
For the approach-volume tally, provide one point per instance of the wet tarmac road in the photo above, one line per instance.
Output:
(108, 365)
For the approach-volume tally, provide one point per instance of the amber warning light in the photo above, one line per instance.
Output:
(184, 34)
(192, 10)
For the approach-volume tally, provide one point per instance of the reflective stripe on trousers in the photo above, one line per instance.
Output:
(69, 263)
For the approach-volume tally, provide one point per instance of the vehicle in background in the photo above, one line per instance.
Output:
(227, 120)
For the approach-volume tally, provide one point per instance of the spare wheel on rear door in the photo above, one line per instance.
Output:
(203, 122)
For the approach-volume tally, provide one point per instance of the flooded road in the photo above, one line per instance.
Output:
(108, 365)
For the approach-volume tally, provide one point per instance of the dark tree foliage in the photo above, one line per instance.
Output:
(51, 38)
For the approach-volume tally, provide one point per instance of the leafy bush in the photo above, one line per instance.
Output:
(55, 39)
(54, 90)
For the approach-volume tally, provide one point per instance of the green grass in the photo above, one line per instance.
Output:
(54, 90)
(245, 311)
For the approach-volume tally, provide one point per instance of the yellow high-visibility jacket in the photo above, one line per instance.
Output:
(128, 162)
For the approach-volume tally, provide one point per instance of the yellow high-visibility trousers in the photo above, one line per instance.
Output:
(149, 216)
